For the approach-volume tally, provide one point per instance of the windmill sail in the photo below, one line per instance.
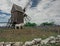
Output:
(25, 8)
(27, 18)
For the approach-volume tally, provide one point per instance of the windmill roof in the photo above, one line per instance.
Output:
(16, 8)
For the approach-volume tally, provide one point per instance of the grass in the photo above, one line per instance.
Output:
(26, 34)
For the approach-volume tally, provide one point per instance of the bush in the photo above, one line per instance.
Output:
(47, 24)
(30, 24)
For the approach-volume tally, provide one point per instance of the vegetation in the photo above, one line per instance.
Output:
(27, 34)
(30, 24)
(47, 24)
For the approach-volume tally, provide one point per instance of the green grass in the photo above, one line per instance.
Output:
(26, 34)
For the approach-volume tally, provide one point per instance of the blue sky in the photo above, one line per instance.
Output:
(40, 10)
(34, 3)
(4, 16)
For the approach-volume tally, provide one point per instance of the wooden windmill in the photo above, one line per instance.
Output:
(17, 15)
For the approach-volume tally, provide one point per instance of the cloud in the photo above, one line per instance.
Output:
(4, 16)
(43, 10)
(46, 10)
(2, 12)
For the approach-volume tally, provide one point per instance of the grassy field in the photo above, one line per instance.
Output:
(28, 33)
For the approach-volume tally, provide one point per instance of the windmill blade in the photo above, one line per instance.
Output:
(26, 6)
(28, 17)
(26, 20)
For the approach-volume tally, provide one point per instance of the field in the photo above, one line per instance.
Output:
(27, 33)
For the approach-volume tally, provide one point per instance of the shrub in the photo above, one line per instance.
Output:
(30, 24)
(47, 24)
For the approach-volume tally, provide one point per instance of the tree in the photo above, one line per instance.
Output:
(30, 24)
(47, 24)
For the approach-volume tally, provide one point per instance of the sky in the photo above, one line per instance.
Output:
(39, 10)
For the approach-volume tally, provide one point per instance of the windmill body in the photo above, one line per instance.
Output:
(17, 15)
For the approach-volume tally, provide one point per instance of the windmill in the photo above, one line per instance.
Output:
(17, 15)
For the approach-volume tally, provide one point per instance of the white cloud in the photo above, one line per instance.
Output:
(46, 10)
(3, 15)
